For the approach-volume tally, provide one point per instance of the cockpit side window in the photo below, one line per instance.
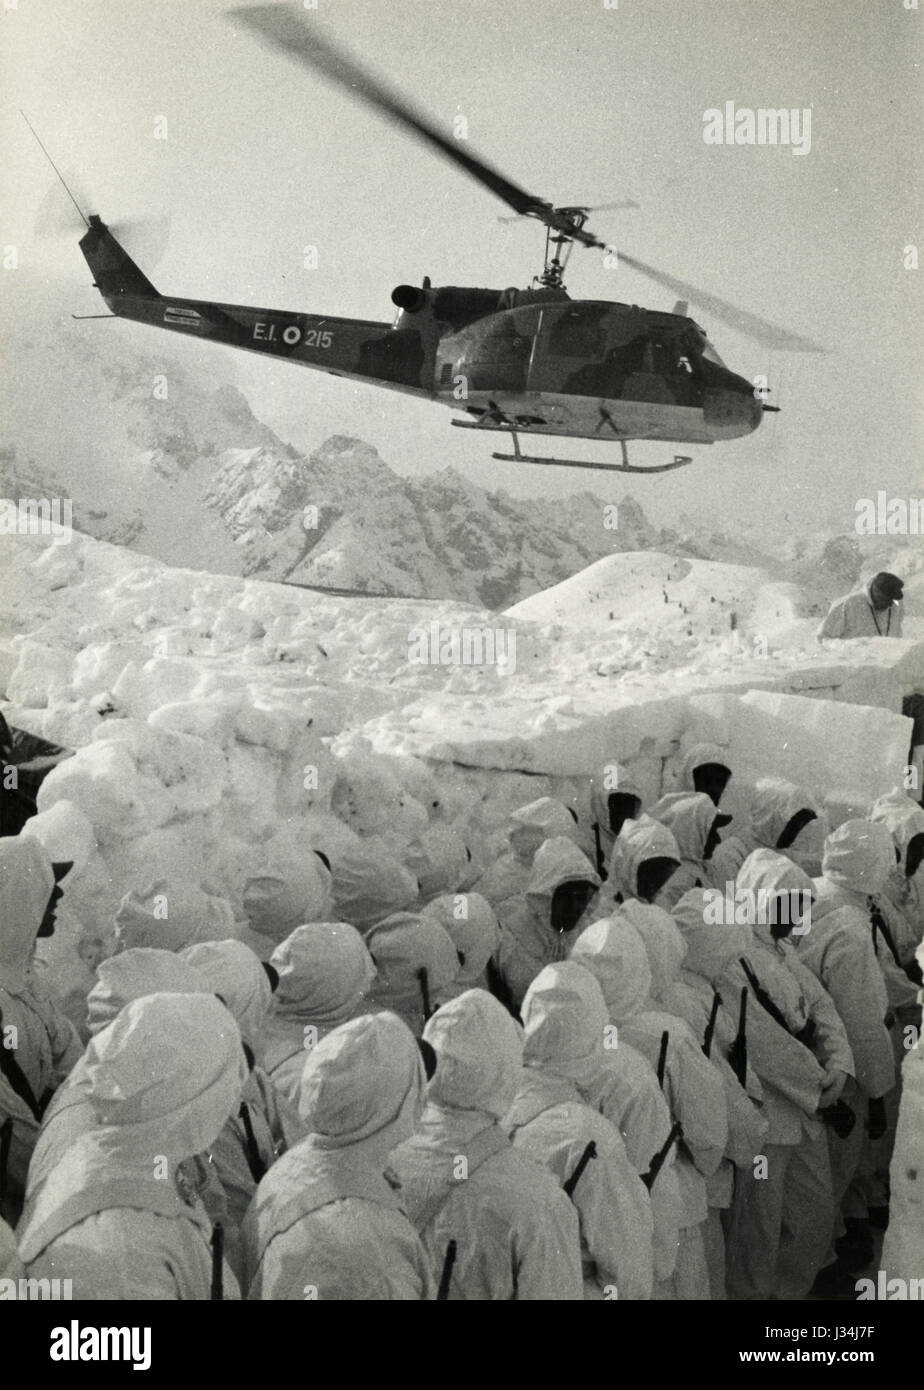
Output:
(578, 333)
(670, 357)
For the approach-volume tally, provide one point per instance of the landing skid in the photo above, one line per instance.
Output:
(679, 460)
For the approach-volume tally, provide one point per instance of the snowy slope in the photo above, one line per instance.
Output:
(618, 588)
(88, 623)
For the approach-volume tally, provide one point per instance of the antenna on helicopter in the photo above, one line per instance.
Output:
(55, 167)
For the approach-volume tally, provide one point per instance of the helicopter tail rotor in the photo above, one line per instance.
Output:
(60, 216)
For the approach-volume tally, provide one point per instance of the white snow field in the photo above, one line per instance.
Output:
(221, 724)
(197, 701)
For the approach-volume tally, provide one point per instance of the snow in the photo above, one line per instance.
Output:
(226, 726)
(615, 588)
(826, 747)
(209, 711)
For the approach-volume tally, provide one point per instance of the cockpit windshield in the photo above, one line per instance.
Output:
(710, 354)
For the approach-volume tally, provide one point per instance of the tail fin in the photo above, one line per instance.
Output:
(114, 271)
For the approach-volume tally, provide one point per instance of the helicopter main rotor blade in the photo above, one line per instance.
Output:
(752, 325)
(285, 29)
(614, 207)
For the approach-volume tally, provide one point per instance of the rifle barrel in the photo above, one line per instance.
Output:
(218, 1250)
(657, 1163)
(572, 1182)
(662, 1057)
(424, 979)
(448, 1263)
(710, 1026)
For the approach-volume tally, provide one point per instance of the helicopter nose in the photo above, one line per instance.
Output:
(732, 412)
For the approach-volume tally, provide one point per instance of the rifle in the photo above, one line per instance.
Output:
(218, 1249)
(6, 1139)
(424, 979)
(254, 1161)
(442, 1293)
(601, 858)
(881, 926)
(805, 1035)
(763, 998)
(572, 1182)
(738, 1052)
(657, 1163)
(662, 1057)
(710, 1026)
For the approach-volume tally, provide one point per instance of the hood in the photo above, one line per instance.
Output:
(614, 952)
(617, 780)
(438, 859)
(766, 871)
(774, 802)
(711, 947)
(369, 884)
(479, 1054)
(368, 796)
(565, 1022)
(134, 973)
(538, 821)
(232, 970)
(638, 841)
(859, 855)
(171, 916)
(902, 817)
(401, 947)
(363, 1087)
(807, 848)
(178, 1107)
(557, 861)
(696, 756)
(26, 884)
(277, 903)
(664, 944)
(470, 921)
(325, 971)
(689, 817)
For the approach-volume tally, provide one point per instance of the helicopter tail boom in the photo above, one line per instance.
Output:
(360, 349)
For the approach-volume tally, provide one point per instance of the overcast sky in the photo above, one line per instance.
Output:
(575, 102)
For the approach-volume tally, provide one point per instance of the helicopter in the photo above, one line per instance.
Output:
(528, 361)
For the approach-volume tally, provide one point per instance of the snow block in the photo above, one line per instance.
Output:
(189, 771)
(65, 832)
(103, 782)
(42, 675)
(818, 744)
